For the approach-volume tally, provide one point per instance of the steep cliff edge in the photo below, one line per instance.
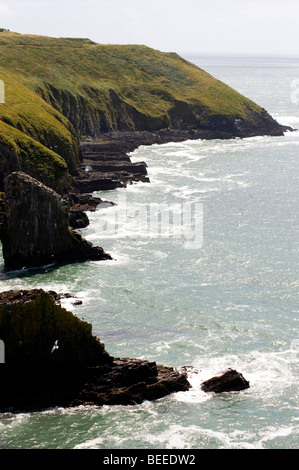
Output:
(36, 227)
(53, 359)
(60, 90)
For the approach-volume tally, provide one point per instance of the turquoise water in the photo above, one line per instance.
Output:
(218, 291)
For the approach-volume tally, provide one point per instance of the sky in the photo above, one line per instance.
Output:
(242, 27)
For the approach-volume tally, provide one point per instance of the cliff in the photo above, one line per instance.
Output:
(36, 227)
(53, 359)
(31, 323)
(59, 91)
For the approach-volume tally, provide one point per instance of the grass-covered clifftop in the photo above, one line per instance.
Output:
(58, 90)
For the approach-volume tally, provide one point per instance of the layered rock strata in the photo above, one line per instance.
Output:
(53, 359)
(37, 230)
(107, 165)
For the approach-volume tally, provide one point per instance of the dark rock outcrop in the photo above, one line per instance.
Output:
(37, 331)
(106, 165)
(85, 202)
(52, 359)
(229, 381)
(78, 219)
(37, 227)
(129, 381)
(80, 203)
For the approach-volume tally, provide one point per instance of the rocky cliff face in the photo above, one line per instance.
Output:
(53, 359)
(37, 229)
(38, 331)
(111, 112)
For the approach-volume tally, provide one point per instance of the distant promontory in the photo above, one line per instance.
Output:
(61, 91)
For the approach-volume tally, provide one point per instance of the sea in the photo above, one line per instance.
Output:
(204, 277)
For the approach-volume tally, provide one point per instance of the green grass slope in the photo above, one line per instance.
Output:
(58, 90)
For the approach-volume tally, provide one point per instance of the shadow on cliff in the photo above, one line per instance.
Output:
(37, 228)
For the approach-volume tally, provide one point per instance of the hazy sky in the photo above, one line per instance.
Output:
(183, 26)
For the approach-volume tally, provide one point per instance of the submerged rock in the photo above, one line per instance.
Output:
(229, 381)
(53, 359)
(37, 227)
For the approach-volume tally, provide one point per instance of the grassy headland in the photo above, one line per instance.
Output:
(58, 90)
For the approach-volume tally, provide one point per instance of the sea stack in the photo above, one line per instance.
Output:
(36, 230)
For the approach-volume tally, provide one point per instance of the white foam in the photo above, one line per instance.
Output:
(91, 443)
(186, 437)
(271, 433)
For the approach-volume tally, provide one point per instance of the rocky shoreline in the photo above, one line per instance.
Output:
(53, 359)
(106, 164)
(49, 173)
(34, 378)
(123, 381)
